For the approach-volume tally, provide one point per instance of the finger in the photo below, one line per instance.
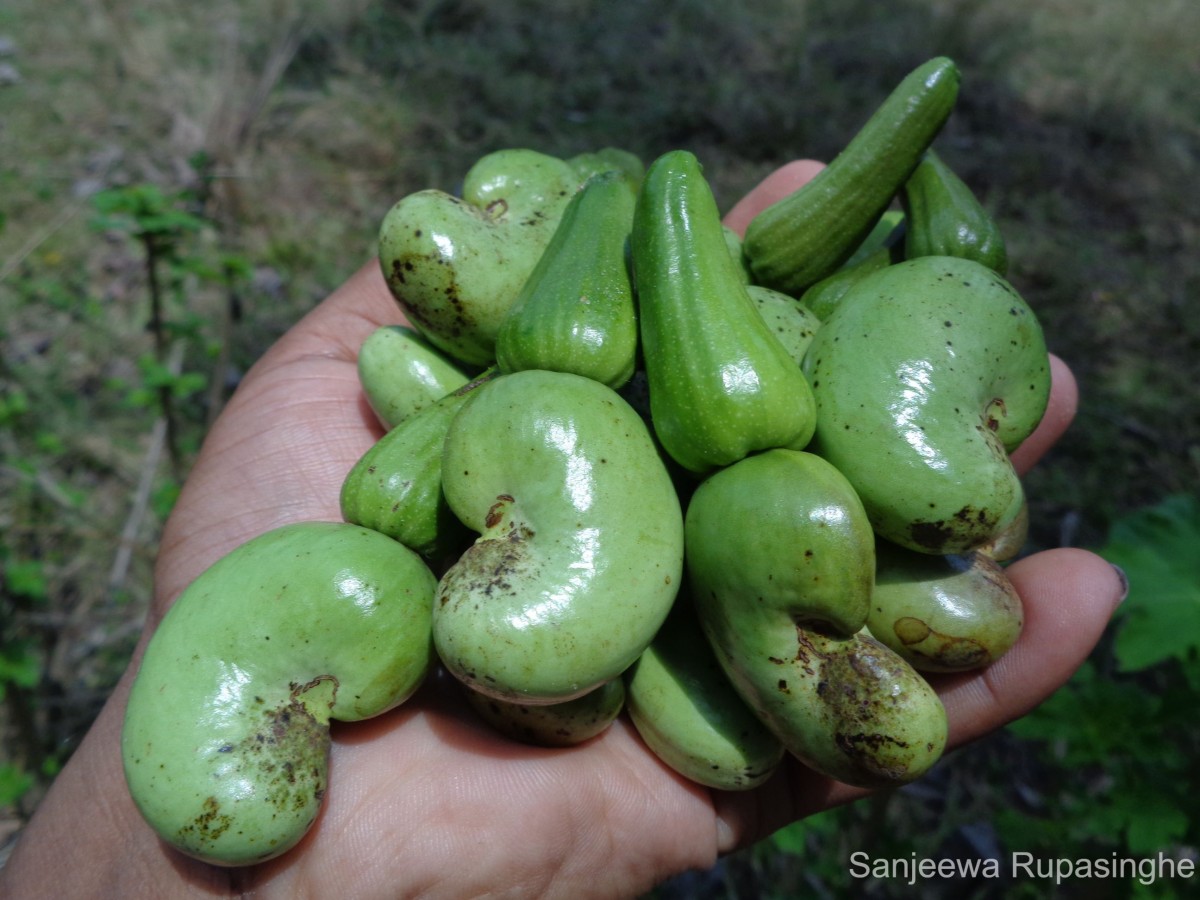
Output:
(1069, 597)
(1060, 411)
(339, 324)
(783, 181)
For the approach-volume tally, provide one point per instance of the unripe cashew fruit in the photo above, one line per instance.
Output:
(943, 613)
(395, 488)
(455, 265)
(780, 562)
(402, 374)
(689, 715)
(575, 313)
(790, 320)
(722, 386)
(927, 375)
(563, 724)
(581, 538)
(226, 736)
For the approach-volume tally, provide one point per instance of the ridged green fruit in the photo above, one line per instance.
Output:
(722, 386)
(807, 235)
(576, 312)
(689, 715)
(824, 296)
(401, 373)
(226, 736)
(946, 219)
(580, 547)
(928, 374)
(780, 563)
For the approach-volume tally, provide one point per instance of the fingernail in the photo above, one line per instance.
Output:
(1124, 582)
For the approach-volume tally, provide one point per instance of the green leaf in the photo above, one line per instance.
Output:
(1155, 822)
(1158, 549)
(14, 782)
(25, 578)
(19, 666)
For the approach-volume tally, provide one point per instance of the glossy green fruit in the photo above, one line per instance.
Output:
(781, 562)
(565, 724)
(944, 613)
(610, 159)
(576, 311)
(946, 219)
(581, 539)
(401, 373)
(689, 715)
(456, 265)
(722, 386)
(807, 235)
(226, 735)
(791, 322)
(824, 296)
(395, 488)
(926, 377)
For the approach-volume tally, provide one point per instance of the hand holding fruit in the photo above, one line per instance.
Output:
(427, 797)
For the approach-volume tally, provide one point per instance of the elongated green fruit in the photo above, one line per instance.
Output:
(928, 374)
(226, 736)
(580, 547)
(395, 488)
(563, 724)
(943, 613)
(805, 236)
(401, 373)
(824, 296)
(946, 219)
(722, 386)
(780, 562)
(576, 311)
(689, 715)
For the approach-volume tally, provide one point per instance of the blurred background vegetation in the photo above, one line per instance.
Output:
(180, 181)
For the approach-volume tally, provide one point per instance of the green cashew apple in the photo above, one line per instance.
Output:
(565, 724)
(791, 322)
(226, 735)
(576, 313)
(722, 386)
(689, 715)
(580, 546)
(780, 563)
(402, 374)
(943, 613)
(395, 488)
(927, 375)
(455, 265)
(610, 159)
(824, 296)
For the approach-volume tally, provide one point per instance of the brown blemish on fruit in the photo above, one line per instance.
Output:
(488, 566)
(286, 757)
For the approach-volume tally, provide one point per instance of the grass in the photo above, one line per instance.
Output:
(290, 128)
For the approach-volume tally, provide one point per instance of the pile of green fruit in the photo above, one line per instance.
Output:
(748, 490)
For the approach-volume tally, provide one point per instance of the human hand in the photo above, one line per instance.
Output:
(426, 799)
